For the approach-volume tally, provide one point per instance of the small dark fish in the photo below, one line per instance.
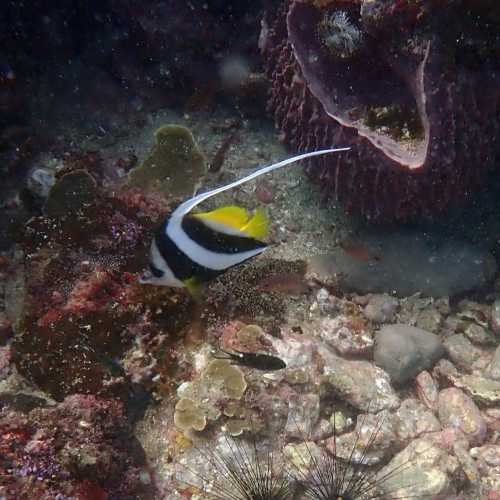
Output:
(253, 360)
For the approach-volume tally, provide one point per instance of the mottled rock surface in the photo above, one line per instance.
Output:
(456, 409)
(363, 385)
(414, 419)
(493, 369)
(427, 390)
(381, 308)
(463, 353)
(482, 390)
(423, 470)
(495, 317)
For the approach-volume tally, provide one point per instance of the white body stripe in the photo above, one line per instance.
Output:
(168, 278)
(202, 256)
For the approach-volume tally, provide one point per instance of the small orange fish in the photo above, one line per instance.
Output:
(286, 283)
(358, 251)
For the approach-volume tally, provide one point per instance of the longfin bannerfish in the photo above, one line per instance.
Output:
(190, 249)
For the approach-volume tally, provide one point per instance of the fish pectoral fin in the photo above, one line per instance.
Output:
(258, 226)
(232, 216)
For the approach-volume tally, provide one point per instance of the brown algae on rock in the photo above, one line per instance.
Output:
(174, 165)
(227, 376)
(188, 415)
(215, 389)
(72, 192)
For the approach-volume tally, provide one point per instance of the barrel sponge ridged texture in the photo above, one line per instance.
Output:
(418, 104)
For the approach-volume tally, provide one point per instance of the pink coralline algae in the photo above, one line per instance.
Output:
(83, 448)
(412, 87)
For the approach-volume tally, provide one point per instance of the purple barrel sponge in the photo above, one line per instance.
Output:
(412, 86)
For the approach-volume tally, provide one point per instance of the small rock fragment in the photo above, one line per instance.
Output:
(423, 470)
(368, 442)
(427, 390)
(495, 317)
(493, 369)
(265, 191)
(460, 450)
(414, 419)
(446, 372)
(346, 335)
(362, 384)
(481, 390)
(340, 422)
(463, 353)
(302, 416)
(429, 319)
(473, 311)
(381, 308)
(303, 456)
(488, 462)
(478, 334)
(403, 351)
(492, 417)
(456, 409)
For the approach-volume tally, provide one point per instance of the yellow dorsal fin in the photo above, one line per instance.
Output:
(232, 216)
(258, 226)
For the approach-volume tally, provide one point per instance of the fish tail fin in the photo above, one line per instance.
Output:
(258, 226)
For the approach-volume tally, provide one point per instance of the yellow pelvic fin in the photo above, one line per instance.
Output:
(258, 226)
(232, 216)
(194, 287)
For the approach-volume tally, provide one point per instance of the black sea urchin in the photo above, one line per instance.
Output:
(241, 472)
(328, 476)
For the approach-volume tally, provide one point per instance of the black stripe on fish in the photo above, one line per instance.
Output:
(180, 264)
(157, 273)
(216, 241)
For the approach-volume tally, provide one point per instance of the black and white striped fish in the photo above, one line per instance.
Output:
(190, 249)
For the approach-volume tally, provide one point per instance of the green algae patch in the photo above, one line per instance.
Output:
(74, 191)
(174, 166)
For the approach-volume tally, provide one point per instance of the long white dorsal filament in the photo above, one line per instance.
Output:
(188, 205)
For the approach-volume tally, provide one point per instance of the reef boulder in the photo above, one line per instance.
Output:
(412, 87)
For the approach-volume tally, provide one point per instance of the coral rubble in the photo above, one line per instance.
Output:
(412, 87)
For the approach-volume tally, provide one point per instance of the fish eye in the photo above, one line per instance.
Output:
(157, 273)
